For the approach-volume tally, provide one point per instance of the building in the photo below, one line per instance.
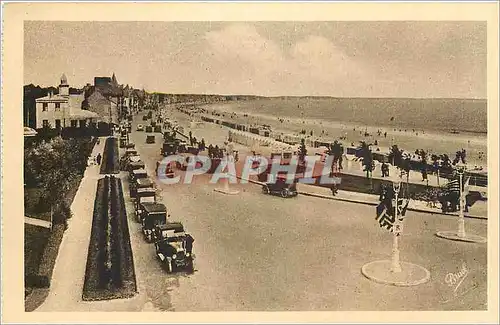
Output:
(62, 110)
(107, 99)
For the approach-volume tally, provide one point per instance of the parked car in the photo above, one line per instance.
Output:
(134, 165)
(143, 195)
(140, 127)
(149, 129)
(168, 149)
(137, 173)
(138, 184)
(280, 187)
(174, 247)
(153, 214)
(150, 139)
(158, 129)
(130, 145)
(145, 118)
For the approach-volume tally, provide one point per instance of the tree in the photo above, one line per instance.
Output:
(367, 158)
(336, 150)
(302, 151)
(395, 156)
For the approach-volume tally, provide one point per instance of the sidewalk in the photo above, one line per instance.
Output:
(370, 199)
(69, 270)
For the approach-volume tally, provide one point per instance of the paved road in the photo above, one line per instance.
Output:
(263, 253)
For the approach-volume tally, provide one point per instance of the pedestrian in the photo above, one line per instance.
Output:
(98, 159)
(157, 167)
(189, 243)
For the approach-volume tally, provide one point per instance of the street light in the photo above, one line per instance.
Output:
(396, 265)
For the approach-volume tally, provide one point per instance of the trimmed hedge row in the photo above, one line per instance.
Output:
(110, 160)
(110, 267)
(43, 278)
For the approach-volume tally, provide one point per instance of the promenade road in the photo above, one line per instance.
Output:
(263, 253)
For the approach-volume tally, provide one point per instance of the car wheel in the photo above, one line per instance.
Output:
(265, 189)
(284, 193)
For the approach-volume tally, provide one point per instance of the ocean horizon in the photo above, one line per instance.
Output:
(429, 114)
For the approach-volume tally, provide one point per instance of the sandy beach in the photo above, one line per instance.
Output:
(409, 140)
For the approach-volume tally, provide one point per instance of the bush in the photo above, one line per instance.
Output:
(109, 273)
(110, 160)
(43, 278)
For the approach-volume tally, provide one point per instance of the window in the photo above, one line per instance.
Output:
(58, 124)
(45, 123)
(58, 106)
(45, 106)
(74, 123)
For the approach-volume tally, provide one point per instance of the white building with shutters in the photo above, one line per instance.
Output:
(62, 110)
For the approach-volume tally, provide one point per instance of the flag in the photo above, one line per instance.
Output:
(453, 186)
(384, 217)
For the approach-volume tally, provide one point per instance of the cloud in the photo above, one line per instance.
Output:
(313, 65)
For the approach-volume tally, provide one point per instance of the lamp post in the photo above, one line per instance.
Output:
(395, 264)
(461, 218)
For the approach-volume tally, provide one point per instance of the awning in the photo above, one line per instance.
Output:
(29, 132)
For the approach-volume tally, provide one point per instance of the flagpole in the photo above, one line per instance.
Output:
(461, 218)
(395, 265)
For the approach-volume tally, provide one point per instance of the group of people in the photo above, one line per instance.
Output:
(95, 160)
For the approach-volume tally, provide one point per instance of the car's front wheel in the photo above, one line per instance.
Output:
(265, 189)
(284, 193)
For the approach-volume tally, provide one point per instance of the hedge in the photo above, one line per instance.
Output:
(110, 269)
(110, 161)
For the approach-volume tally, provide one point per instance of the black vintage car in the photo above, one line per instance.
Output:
(174, 247)
(280, 187)
(153, 215)
(157, 129)
(149, 129)
(143, 196)
(138, 184)
(136, 174)
(150, 139)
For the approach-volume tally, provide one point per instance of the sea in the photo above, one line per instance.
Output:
(438, 115)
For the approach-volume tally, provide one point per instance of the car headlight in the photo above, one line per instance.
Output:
(187, 254)
(174, 256)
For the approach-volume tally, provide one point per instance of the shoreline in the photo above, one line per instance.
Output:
(432, 142)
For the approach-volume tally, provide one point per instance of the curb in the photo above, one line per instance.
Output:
(471, 216)
(321, 196)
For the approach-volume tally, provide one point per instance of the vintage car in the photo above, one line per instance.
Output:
(174, 247)
(168, 149)
(140, 183)
(187, 158)
(133, 165)
(153, 124)
(152, 215)
(149, 129)
(145, 118)
(158, 129)
(130, 145)
(131, 152)
(123, 142)
(140, 127)
(150, 139)
(280, 187)
(143, 195)
(136, 174)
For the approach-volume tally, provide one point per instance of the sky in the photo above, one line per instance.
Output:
(340, 59)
